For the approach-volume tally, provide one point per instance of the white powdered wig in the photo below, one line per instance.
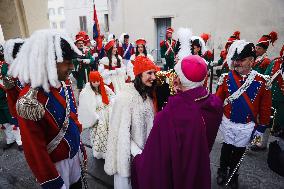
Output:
(110, 37)
(236, 45)
(9, 47)
(201, 42)
(121, 38)
(184, 35)
(36, 62)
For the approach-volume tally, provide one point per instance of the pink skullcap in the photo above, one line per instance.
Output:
(194, 68)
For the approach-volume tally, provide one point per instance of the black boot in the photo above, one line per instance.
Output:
(221, 176)
(234, 184)
(8, 146)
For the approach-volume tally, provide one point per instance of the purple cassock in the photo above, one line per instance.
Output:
(176, 154)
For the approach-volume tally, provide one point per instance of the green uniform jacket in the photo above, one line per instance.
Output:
(170, 56)
(277, 92)
(80, 68)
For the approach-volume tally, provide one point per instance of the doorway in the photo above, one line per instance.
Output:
(161, 26)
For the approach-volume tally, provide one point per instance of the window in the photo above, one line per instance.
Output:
(54, 25)
(106, 23)
(62, 24)
(60, 10)
(51, 12)
(83, 23)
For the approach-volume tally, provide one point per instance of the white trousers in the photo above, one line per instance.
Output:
(69, 170)
(12, 135)
(237, 134)
(122, 182)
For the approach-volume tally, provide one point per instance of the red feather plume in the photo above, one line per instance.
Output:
(273, 36)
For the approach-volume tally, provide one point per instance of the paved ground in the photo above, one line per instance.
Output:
(15, 174)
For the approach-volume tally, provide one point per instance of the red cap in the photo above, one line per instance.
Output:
(282, 51)
(95, 76)
(232, 38)
(142, 64)
(79, 38)
(81, 33)
(266, 39)
(170, 30)
(87, 39)
(109, 45)
(140, 42)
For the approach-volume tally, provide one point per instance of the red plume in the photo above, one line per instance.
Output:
(273, 36)
(205, 36)
(237, 34)
(282, 51)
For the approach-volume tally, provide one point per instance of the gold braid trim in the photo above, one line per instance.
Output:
(8, 82)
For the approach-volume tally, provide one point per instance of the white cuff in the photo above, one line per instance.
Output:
(135, 150)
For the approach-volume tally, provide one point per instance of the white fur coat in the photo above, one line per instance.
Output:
(93, 114)
(131, 121)
(117, 76)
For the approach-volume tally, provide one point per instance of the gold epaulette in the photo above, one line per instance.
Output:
(28, 107)
(221, 78)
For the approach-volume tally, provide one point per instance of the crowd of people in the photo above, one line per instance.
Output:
(153, 126)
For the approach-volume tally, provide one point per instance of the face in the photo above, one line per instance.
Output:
(95, 84)
(88, 44)
(148, 77)
(259, 50)
(140, 49)
(80, 44)
(177, 85)
(64, 69)
(243, 66)
(126, 40)
(114, 50)
(169, 35)
(196, 50)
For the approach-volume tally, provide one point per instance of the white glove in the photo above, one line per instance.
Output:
(95, 55)
(86, 61)
(214, 63)
(164, 61)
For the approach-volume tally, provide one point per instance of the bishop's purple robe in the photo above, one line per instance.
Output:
(176, 154)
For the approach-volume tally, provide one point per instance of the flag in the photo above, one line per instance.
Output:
(96, 30)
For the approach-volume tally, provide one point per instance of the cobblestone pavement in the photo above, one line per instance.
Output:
(15, 173)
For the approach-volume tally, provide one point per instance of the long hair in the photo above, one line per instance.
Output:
(109, 56)
(97, 89)
(144, 51)
(143, 90)
(196, 43)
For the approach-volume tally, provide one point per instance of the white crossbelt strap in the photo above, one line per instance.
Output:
(170, 47)
(242, 89)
